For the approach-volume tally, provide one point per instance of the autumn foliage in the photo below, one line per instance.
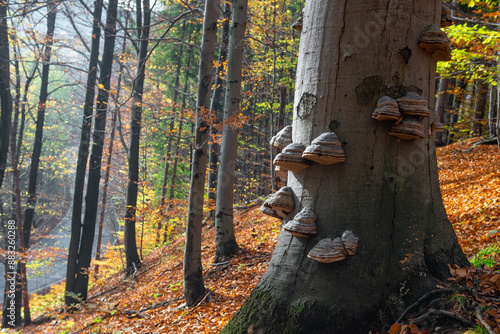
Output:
(149, 301)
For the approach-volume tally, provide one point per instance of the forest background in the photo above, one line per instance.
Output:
(49, 80)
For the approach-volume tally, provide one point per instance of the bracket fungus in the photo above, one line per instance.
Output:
(303, 224)
(280, 204)
(409, 128)
(446, 19)
(291, 158)
(435, 41)
(298, 24)
(328, 251)
(281, 172)
(387, 109)
(282, 138)
(326, 149)
(414, 105)
(350, 242)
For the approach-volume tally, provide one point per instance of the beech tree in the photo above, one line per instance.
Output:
(224, 229)
(386, 191)
(5, 95)
(193, 270)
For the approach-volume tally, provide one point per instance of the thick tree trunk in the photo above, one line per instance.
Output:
(192, 270)
(5, 95)
(479, 108)
(132, 257)
(83, 153)
(217, 107)
(224, 229)
(386, 192)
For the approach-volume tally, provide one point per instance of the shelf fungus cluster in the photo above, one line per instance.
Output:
(326, 149)
(303, 224)
(280, 204)
(333, 250)
(435, 41)
(407, 111)
(282, 138)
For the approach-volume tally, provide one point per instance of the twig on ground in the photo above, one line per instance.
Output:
(444, 313)
(479, 317)
(425, 296)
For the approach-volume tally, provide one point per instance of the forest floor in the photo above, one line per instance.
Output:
(470, 183)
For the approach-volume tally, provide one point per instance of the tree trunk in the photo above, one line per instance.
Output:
(5, 95)
(132, 257)
(479, 108)
(216, 107)
(80, 284)
(178, 142)
(440, 105)
(110, 156)
(386, 192)
(37, 147)
(83, 153)
(492, 111)
(224, 229)
(192, 270)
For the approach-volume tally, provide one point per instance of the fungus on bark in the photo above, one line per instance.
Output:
(297, 25)
(291, 158)
(328, 250)
(350, 242)
(435, 41)
(409, 128)
(413, 105)
(326, 149)
(281, 172)
(282, 138)
(280, 204)
(387, 109)
(303, 224)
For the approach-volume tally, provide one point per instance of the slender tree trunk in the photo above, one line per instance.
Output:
(440, 105)
(170, 137)
(109, 160)
(92, 197)
(479, 108)
(224, 228)
(457, 102)
(492, 111)
(37, 147)
(192, 270)
(386, 191)
(217, 107)
(132, 257)
(83, 153)
(178, 142)
(5, 95)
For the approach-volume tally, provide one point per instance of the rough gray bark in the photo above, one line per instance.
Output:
(226, 244)
(83, 153)
(192, 270)
(352, 52)
(143, 23)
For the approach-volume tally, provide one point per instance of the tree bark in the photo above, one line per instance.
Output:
(37, 148)
(192, 270)
(80, 285)
(217, 107)
(224, 230)
(386, 192)
(83, 153)
(5, 94)
(479, 108)
(492, 107)
(132, 257)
